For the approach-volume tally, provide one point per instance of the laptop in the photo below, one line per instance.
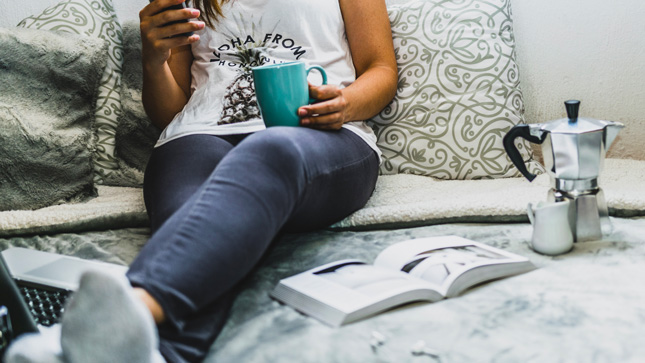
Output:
(34, 285)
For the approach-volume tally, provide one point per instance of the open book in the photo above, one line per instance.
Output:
(424, 269)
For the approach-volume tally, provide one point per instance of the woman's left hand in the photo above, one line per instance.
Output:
(329, 113)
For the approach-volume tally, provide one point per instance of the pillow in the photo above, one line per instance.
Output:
(49, 86)
(95, 19)
(458, 92)
(135, 133)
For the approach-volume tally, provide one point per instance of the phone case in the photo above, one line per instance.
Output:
(179, 7)
(6, 333)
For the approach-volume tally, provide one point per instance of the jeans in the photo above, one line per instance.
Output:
(217, 202)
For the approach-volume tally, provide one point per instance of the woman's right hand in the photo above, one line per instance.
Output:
(158, 37)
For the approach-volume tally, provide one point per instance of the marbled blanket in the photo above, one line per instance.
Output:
(584, 306)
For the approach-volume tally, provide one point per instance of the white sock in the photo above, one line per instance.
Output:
(106, 322)
(43, 347)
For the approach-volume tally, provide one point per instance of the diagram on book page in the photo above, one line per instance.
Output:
(367, 279)
(437, 264)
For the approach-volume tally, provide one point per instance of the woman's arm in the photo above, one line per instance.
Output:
(370, 41)
(166, 59)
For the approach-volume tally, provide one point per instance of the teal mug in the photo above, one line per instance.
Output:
(281, 89)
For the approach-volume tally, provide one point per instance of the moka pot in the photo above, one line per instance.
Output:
(574, 151)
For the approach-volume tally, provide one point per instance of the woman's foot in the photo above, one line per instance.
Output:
(106, 322)
(43, 347)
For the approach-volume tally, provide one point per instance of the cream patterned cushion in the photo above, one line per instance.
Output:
(96, 19)
(458, 91)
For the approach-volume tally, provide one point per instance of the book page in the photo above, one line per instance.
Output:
(370, 280)
(438, 264)
(441, 260)
(427, 269)
(349, 290)
(399, 254)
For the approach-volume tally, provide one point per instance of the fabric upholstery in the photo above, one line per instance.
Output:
(458, 91)
(49, 88)
(98, 19)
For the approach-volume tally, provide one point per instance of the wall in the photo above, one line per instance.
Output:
(591, 50)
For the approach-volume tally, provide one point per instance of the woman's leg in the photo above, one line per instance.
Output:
(295, 177)
(177, 169)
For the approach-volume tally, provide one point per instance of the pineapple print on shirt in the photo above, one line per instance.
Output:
(246, 49)
(239, 103)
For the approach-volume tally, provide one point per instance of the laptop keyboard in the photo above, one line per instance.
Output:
(46, 304)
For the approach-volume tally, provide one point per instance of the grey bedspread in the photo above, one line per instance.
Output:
(584, 306)
(117, 246)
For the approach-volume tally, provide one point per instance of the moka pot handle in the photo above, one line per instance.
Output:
(524, 132)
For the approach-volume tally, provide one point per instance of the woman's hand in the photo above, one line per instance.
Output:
(327, 114)
(158, 37)
(369, 35)
(370, 40)
(167, 58)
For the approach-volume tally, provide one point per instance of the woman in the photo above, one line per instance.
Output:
(219, 186)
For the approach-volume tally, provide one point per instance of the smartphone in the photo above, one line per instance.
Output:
(179, 7)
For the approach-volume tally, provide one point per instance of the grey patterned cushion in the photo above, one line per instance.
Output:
(95, 18)
(49, 85)
(458, 91)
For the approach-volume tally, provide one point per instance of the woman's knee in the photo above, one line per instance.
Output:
(276, 145)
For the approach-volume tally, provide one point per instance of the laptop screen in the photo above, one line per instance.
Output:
(21, 319)
(62, 270)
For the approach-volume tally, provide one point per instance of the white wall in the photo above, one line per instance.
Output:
(592, 50)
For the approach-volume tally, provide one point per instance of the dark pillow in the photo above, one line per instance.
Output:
(94, 19)
(135, 134)
(49, 88)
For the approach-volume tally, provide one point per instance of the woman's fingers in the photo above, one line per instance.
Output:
(329, 112)
(157, 6)
(158, 15)
(336, 104)
(324, 115)
(162, 29)
(333, 121)
(170, 16)
(324, 92)
(173, 30)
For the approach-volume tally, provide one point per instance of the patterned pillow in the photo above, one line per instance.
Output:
(95, 18)
(458, 91)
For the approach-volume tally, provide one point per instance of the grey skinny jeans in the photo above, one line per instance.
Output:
(216, 204)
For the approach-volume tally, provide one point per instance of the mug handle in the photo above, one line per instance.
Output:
(530, 213)
(322, 73)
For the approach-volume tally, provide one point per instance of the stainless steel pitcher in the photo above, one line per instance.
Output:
(574, 151)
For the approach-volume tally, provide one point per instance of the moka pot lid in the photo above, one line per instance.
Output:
(573, 124)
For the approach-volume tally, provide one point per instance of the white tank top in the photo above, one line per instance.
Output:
(255, 32)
